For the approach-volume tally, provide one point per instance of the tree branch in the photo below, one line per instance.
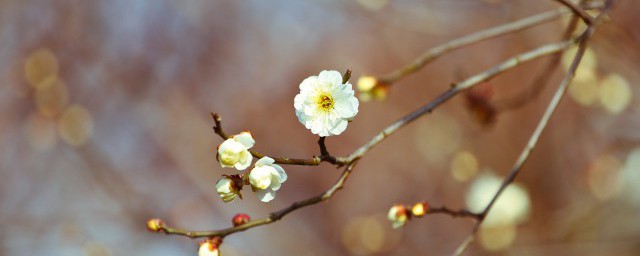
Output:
(577, 10)
(534, 89)
(455, 89)
(217, 128)
(316, 160)
(542, 124)
(479, 36)
(464, 213)
(273, 217)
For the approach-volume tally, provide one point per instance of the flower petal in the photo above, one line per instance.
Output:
(275, 182)
(309, 83)
(298, 102)
(345, 109)
(245, 139)
(266, 195)
(245, 160)
(265, 160)
(340, 127)
(282, 175)
(330, 77)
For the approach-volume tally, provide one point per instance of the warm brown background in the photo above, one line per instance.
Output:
(125, 133)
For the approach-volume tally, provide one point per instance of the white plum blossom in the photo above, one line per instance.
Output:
(398, 215)
(234, 152)
(325, 105)
(266, 178)
(227, 189)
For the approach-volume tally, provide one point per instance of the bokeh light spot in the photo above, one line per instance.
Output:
(40, 65)
(369, 235)
(497, 238)
(603, 177)
(512, 207)
(464, 166)
(438, 138)
(75, 125)
(584, 88)
(615, 93)
(589, 60)
(51, 97)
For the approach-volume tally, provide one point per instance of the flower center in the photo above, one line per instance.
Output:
(229, 157)
(325, 101)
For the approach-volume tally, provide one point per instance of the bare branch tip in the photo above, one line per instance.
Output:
(346, 76)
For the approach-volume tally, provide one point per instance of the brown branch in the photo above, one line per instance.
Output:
(542, 124)
(273, 217)
(217, 128)
(535, 88)
(464, 213)
(470, 39)
(316, 160)
(456, 88)
(577, 10)
(352, 159)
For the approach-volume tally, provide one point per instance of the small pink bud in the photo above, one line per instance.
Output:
(240, 219)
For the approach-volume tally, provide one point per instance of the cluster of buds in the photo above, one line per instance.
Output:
(400, 214)
(265, 178)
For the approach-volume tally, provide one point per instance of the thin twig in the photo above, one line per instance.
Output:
(479, 36)
(217, 128)
(535, 88)
(456, 88)
(316, 160)
(464, 213)
(273, 217)
(577, 10)
(542, 124)
(352, 159)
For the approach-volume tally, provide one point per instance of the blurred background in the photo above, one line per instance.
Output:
(104, 123)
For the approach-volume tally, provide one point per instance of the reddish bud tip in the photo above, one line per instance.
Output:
(155, 225)
(420, 209)
(209, 247)
(240, 219)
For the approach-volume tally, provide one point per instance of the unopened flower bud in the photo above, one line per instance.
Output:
(155, 225)
(420, 209)
(209, 247)
(398, 215)
(228, 187)
(240, 219)
(234, 152)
